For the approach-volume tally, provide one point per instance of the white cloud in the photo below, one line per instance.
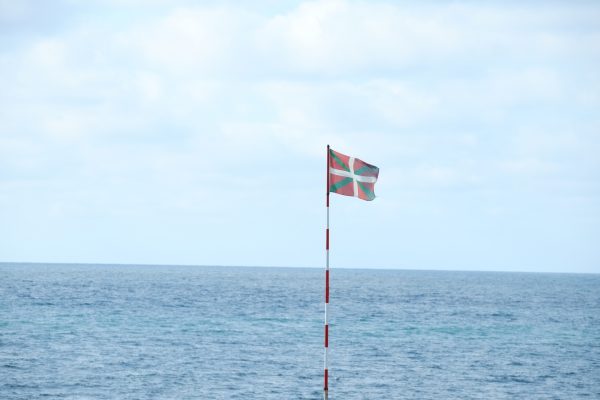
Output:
(339, 36)
(192, 41)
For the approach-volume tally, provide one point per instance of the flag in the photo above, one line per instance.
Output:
(350, 176)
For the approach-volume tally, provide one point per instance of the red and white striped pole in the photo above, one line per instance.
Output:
(326, 372)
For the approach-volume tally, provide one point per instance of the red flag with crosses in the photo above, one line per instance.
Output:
(350, 176)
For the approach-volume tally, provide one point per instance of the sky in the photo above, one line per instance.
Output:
(194, 132)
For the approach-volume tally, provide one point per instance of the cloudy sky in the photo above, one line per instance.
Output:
(194, 132)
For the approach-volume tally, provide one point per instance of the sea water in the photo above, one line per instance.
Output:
(184, 332)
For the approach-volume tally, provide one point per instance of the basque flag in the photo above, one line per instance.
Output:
(350, 176)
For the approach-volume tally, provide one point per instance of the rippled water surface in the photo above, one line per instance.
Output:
(167, 332)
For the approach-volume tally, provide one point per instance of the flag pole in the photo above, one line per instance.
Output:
(326, 372)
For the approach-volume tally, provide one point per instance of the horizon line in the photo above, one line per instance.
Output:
(299, 267)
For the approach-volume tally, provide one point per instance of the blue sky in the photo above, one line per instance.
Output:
(186, 132)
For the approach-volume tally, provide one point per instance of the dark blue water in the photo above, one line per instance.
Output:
(150, 332)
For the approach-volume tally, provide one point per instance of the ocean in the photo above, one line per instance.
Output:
(184, 332)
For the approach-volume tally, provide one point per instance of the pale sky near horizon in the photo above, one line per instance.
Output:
(194, 132)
